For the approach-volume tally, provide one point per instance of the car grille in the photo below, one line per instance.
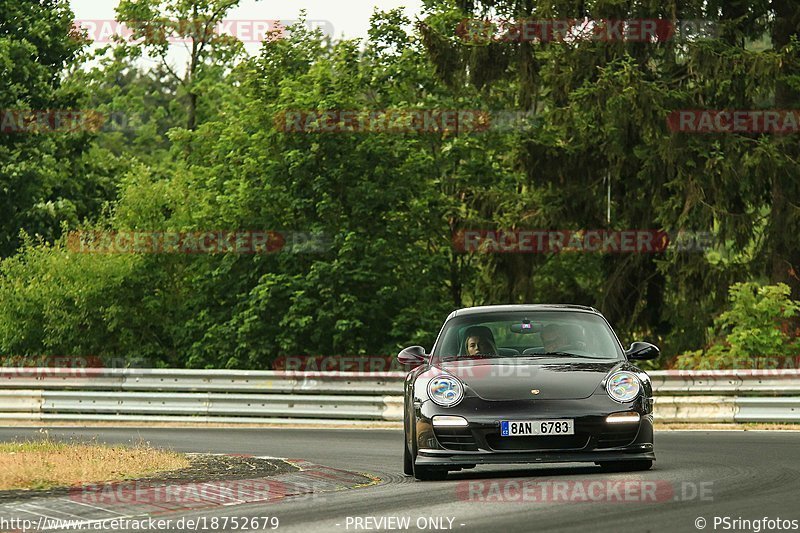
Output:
(559, 442)
(456, 438)
(613, 438)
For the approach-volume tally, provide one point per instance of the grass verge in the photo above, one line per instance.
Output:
(46, 463)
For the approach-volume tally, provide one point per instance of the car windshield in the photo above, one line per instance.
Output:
(526, 335)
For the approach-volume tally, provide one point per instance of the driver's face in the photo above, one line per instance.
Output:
(553, 340)
(476, 345)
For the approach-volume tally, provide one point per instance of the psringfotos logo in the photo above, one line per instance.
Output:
(756, 525)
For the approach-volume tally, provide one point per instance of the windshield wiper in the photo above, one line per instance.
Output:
(563, 354)
(476, 357)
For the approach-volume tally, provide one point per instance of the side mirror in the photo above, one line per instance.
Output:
(642, 351)
(413, 355)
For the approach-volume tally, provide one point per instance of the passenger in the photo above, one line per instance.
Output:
(479, 340)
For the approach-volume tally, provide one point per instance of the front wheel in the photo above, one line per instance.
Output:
(408, 461)
(627, 466)
(423, 473)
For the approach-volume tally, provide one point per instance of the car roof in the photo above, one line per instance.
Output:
(485, 309)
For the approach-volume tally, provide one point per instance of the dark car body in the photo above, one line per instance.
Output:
(525, 385)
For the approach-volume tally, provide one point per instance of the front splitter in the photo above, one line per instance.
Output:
(432, 457)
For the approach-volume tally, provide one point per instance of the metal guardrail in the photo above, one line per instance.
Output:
(238, 396)
(727, 382)
(178, 380)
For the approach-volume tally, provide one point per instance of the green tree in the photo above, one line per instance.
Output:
(51, 177)
(159, 23)
(208, 152)
(603, 108)
(759, 327)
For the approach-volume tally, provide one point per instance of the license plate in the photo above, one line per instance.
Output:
(527, 428)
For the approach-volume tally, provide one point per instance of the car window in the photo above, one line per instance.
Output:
(528, 334)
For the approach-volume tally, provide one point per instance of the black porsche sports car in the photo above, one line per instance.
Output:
(526, 384)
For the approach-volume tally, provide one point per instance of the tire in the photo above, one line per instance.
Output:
(429, 474)
(627, 466)
(408, 461)
(421, 473)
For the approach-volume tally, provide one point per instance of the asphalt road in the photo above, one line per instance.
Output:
(699, 474)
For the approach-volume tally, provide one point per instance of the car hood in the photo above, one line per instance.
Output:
(506, 379)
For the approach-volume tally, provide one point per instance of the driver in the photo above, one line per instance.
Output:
(479, 340)
(554, 338)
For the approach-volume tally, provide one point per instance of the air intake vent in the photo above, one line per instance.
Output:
(456, 438)
(616, 437)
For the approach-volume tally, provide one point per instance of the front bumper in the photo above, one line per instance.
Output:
(438, 458)
(595, 440)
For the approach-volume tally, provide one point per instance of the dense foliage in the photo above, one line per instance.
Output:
(756, 331)
(202, 148)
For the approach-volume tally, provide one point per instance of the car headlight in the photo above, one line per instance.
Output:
(445, 390)
(623, 386)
